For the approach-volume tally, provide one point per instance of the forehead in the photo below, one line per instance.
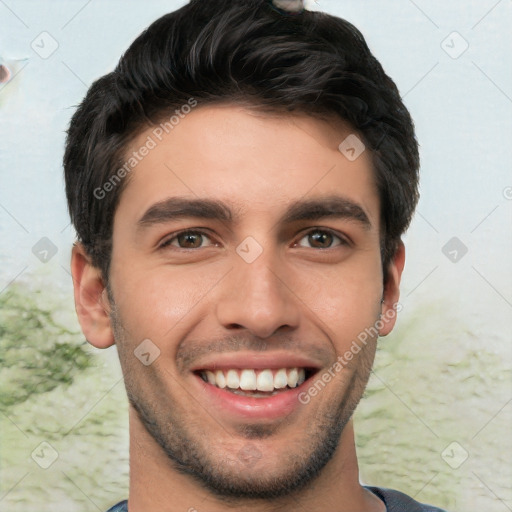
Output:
(253, 161)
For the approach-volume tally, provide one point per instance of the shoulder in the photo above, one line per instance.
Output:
(399, 502)
(120, 507)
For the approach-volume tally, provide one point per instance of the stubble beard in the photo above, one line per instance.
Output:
(192, 452)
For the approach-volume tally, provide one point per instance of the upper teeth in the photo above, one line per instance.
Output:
(261, 380)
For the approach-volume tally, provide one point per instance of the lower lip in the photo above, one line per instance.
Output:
(271, 407)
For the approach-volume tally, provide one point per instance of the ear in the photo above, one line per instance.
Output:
(392, 291)
(91, 299)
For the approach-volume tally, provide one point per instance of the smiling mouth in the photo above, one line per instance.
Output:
(256, 382)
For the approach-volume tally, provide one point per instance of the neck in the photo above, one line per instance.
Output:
(156, 485)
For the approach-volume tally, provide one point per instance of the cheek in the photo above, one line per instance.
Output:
(344, 300)
(155, 303)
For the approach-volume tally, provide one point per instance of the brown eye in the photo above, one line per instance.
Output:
(321, 239)
(188, 240)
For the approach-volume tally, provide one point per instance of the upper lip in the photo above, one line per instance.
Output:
(256, 361)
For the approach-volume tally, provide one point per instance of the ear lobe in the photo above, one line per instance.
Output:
(91, 299)
(392, 291)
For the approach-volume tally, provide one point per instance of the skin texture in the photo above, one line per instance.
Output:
(303, 295)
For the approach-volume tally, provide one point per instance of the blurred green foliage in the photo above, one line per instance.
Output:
(37, 353)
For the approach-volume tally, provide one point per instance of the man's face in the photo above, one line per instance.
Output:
(258, 279)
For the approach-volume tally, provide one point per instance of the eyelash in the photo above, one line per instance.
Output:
(167, 242)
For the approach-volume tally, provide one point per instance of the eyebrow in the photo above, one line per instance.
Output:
(175, 208)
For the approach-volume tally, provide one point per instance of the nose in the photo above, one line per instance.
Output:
(258, 297)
